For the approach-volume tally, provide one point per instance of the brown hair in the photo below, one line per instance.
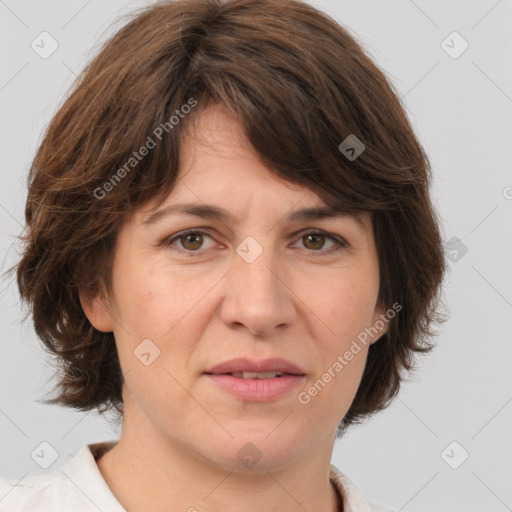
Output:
(300, 84)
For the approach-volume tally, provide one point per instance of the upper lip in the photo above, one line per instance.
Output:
(243, 364)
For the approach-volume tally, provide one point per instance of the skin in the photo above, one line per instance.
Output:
(298, 300)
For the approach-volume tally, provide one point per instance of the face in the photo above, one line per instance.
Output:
(259, 284)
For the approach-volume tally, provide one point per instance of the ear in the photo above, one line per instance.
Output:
(379, 322)
(97, 308)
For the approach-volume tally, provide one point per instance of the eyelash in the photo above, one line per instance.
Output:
(340, 243)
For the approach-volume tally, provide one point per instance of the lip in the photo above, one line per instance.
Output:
(256, 390)
(243, 364)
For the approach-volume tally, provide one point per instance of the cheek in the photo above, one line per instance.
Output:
(154, 298)
(161, 315)
(329, 395)
(345, 303)
(155, 349)
(345, 309)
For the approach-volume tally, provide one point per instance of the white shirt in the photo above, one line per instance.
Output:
(78, 486)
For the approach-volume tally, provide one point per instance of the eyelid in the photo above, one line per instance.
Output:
(340, 242)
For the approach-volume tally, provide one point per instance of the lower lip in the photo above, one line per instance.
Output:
(257, 390)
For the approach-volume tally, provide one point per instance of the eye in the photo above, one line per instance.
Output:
(315, 240)
(191, 241)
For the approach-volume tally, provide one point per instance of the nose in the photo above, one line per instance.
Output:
(258, 297)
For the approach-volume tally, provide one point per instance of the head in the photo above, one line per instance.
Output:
(244, 105)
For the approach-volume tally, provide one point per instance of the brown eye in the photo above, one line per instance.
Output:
(314, 241)
(191, 241)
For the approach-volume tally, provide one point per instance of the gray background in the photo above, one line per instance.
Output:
(462, 110)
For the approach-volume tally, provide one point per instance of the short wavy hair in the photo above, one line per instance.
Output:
(300, 84)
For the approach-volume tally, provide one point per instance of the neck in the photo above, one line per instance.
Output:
(149, 473)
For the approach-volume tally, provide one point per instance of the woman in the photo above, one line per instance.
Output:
(230, 243)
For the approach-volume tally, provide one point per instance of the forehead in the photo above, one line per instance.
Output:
(221, 176)
(216, 127)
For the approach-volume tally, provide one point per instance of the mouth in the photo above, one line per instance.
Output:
(246, 368)
(253, 380)
(257, 375)
(256, 386)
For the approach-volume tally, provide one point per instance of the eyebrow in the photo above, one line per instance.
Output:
(209, 211)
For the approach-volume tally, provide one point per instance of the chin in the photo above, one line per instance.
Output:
(265, 448)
